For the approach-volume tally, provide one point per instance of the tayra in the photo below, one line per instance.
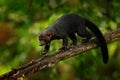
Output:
(67, 26)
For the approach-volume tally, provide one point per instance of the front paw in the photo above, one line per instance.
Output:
(44, 52)
(73, 44)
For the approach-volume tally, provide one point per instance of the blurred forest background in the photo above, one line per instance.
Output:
(22, 20)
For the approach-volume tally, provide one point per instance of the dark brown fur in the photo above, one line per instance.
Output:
(66, 26)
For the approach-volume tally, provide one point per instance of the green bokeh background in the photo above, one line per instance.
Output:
(22, 20)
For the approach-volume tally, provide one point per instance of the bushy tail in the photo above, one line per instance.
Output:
(100, 38)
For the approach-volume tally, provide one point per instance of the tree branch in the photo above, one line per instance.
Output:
(36, 65)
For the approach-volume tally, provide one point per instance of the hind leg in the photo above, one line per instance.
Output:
(73, 38)
(84, 33)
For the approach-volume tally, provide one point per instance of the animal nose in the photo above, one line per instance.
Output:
(42, 43)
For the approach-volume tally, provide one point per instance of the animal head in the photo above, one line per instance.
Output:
(45, 36)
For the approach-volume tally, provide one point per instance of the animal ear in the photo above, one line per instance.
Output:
(40, 35)
(50, 34)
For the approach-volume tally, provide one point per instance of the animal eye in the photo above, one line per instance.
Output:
(39, 38)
